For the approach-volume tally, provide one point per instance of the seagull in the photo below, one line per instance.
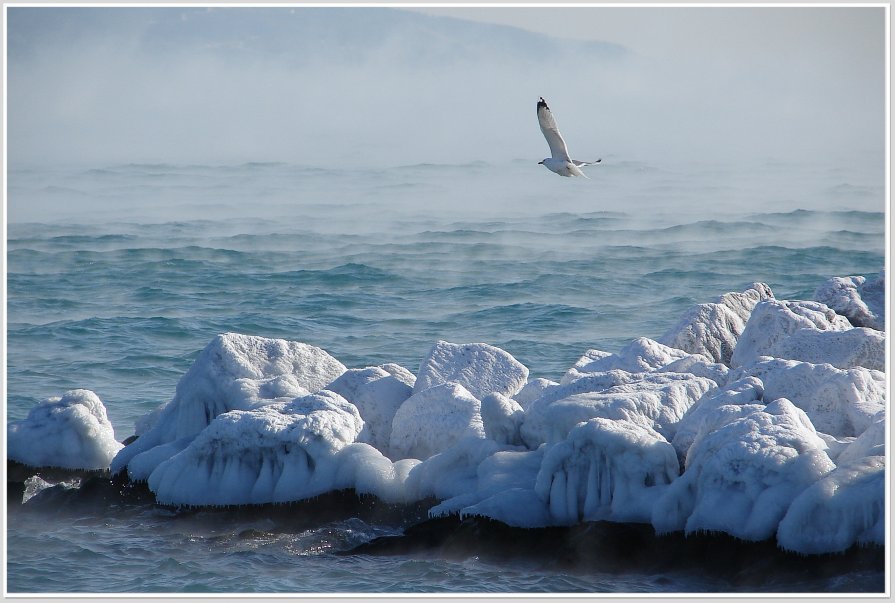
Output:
(559, 162)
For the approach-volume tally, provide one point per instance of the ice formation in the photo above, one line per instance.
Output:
(233, 372)
(861, 301)
(843, 349)
(748, 390)
(753, 416)
(606, 469)
(713, 329)
(71, 432)
(432, 420)
(478, 367)
(641, 355)
(653, 400)
(533, 390)
(377, 394)
(846, 507)
(841, 403)
(773, 321)
(275, 453)
(743, 471)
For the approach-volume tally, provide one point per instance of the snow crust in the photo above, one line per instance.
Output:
(758, 417)
(71, 432)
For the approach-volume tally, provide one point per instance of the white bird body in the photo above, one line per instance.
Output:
(559, 161)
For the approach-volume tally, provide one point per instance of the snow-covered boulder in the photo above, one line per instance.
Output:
(274, 453)
(606, 470)
(377, 394)
(870, 443)
(502, 418)
(861, 301)
(744, 472)
(774, 320)
(533, 390)
(71, 432)
(639, 356)
(653, 400)
(434, 419)
(234, 372)
(700, 366)
(748, 390)
(843, 349)
(839, 402)
(479, 367)
(845, 508)
(712, 329)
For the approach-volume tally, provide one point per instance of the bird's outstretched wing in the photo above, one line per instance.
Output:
(580, 163)
(557, 145)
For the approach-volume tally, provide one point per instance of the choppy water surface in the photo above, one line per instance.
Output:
(119, 275)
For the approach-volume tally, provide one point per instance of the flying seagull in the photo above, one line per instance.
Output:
(559, 161)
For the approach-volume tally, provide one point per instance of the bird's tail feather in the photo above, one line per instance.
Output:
(577, 171)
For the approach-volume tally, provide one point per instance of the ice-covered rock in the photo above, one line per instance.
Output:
(606, 470)
(743, 473)
(870, 443)
(71, 432)
(504, 491)
(433, 419)
(839, 402)
(453, 471)
(274, 453)
(861, 301)
(845, 508)
(400, 373)
(700, 366)
(366, 470)
(479, 367)
(774, 320)
(653, 400)
(712, 329)
(843, 349)
(502, 418)
(639, 356)
(748, 390)
(377, 394)
(533, 390)
(235, 372)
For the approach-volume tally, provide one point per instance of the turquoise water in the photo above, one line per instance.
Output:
(118, 275)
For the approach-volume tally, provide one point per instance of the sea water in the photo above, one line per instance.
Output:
(118, 275)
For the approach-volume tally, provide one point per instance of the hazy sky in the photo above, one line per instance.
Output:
(343, 86)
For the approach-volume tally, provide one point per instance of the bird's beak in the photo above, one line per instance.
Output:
(540, 163)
